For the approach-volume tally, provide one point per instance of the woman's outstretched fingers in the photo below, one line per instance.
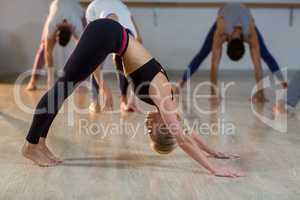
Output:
(222, 155)
(234, 156)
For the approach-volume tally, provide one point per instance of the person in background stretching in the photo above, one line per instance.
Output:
(103, 9)
(66, 18)
(236, 26)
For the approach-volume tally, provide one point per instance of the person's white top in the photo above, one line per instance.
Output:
(69, 10)
(103, 8)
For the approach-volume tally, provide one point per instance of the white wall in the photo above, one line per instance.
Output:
(21, 24)
(172, 35)
(179, 33)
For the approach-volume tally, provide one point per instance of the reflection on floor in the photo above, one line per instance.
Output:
(106, 160)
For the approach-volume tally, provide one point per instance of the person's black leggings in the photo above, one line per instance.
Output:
(100, 38)
(123, 82)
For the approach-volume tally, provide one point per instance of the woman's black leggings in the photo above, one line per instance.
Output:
(100, 38)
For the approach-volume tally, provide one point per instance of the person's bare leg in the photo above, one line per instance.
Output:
(95, 91)
(39, 62)
(44, 148)
(123, 104)
(123, 84)
(105, 100)
(34, 153)
(50, 81)
(130, 103)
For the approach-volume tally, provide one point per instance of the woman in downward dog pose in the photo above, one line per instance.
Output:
(100, 38)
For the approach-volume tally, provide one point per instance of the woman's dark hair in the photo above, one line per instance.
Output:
(236, 49)
(64, 35)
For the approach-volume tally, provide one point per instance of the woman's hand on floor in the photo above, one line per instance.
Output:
(222, 155)
(228, 172)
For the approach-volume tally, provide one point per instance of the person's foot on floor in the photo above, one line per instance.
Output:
(94, 107)
(50, 85)
(43, 147)
(50, 78)
(33, 153)
(215, 100)
(123, 107)
(280, 109)
(131, 107)
(31, 86)
(176, 88)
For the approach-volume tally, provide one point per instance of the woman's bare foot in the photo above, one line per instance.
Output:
(108, 107)
(31, 86)
(33, 153)
(128, 105)
(94, 107)
(123, 107)
(131, 107)
(43, 147)
(127, 108)
(280, 108)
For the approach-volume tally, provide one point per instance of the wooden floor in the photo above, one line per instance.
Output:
(121, 165)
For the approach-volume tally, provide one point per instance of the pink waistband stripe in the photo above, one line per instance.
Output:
(124, 42)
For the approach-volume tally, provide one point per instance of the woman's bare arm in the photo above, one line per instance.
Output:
(212, 152)
(160, 93)
(189, 145)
